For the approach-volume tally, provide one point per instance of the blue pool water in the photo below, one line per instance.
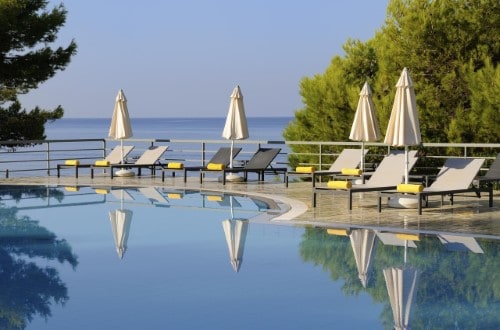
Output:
(62, 268)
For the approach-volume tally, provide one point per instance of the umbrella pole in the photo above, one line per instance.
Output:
(406, 164)
(121, 150)
(231, 155)
(363, 157)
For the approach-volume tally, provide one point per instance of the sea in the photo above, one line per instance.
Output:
(260, 128)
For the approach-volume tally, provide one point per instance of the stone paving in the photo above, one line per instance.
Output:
(469, 215)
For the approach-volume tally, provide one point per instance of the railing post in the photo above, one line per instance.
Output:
(48, 158)
(203, 146)
(320, 156)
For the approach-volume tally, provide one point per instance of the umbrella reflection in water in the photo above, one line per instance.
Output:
(235, 231)
(401, 285)
(121, 220)
(364, 244)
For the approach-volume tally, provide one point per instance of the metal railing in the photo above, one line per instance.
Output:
(40, 157)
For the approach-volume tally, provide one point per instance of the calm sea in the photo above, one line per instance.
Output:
(260, 128)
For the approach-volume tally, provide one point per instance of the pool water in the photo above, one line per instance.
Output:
(142, 259)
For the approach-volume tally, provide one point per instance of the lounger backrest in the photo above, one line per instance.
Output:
(262, 158)
(494, 169)
(348, 158)
(223, 155)
(115, 155)
(391, 170)
(153, 194)
(151, 156)
(457, 173)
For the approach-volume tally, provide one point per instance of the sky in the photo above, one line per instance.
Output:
(183, 58)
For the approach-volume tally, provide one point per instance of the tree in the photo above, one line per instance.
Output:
(452, 49)
(27, 30)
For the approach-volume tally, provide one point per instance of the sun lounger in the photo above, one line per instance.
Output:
(149, 159)
(492, 176)
(347, 159)
(153, 195)
(260, 163)
(222, 156)
(456, 176)
(388, 174)
(114, 157)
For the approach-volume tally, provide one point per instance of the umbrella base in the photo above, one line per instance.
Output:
(233, 177)
(403, 202)
(124, 172)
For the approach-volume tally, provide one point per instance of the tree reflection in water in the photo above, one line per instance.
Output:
(26, 287)
(455, 289)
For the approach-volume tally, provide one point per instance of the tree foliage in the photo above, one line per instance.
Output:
(456, 289)
(452, 48)
(27, 29)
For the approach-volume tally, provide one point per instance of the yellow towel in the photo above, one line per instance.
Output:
(351, 171)
(304, 169)
(73, 162)
(101, 191)
(409, 188)
(101, 162)
(176, 166)
(338, 232)
(71, 188)
(215, 167)
(339, 184)
(408, 237)
(174, 196)
(213, 198)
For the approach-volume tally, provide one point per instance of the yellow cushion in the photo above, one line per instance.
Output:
(408, 237)
(338, 232)
(174, 196)
(215, 167)
(71, 188)
(410, 188)
(214, 198)
(339, 184)
(175, 165)
(101, 191)
(351, 171)
(304, 169)
(73, 162)
(101, 163)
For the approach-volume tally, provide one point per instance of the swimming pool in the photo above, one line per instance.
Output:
(79, 258)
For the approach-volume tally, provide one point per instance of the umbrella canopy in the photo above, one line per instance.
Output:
(236, 232)
(404, 128)
(401, 285)
(363, 243)
(120, 127)
(120, 225)
(236, 127)
(365, 126)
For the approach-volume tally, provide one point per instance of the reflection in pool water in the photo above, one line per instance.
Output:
(151, 259)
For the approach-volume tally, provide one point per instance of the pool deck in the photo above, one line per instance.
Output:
(468, 215)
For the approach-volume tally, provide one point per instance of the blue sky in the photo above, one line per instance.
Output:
(183, 58)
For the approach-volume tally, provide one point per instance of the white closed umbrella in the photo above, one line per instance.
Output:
(235, 231)
(236, 127)
(365, 127)
(121, 220)
(120, 127)
(401, 285)
(404, 128)
(363, 243)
